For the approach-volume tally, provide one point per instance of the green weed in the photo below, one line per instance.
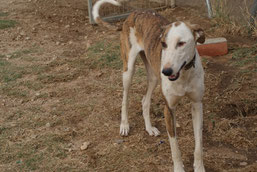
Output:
(105, 54)
(32, 85)
(20, 53)
(11, 90)
(3, 14)
(7, 24)
(245, 56)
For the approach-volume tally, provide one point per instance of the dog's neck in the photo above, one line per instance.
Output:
(190, 64)
(188, 70)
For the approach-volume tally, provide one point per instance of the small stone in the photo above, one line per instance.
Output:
(22, 33)
(243, 163)
(67, 26)
(57, 43)
(99, 74)
(33, 136)
(84, 146)
(48, 125)
(27, 38)
(66, 129)
(37, 94)
(119, 141)
(70, 42)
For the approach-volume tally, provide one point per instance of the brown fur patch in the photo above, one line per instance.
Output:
(147, 25)
(167, 65)
(125, 46)
(177, 23)
(169, 121)
(165, 32)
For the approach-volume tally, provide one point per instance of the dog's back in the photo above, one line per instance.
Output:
(147, 25)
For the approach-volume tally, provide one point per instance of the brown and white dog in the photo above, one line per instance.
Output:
(169, 53)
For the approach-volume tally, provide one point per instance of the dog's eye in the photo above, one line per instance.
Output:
(164, 45)
(180, 44)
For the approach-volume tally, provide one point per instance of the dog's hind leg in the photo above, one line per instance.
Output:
(146, 102)
(129, 57)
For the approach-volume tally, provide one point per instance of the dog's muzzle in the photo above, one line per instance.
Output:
(169, 72)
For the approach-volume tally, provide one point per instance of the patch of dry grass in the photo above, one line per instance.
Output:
(228, 23)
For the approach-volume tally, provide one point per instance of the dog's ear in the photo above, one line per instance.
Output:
(198, 32)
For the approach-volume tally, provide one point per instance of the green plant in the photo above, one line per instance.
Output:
(3, 14)
(105, 54)
(244, 56)
(7, 24)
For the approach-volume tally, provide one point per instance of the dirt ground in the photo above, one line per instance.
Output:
(60, 86)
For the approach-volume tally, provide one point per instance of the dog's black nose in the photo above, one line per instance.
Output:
(167, 71)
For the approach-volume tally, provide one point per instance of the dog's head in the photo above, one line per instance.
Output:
(178, 47)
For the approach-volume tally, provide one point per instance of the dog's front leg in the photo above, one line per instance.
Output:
(197, 115)
(170, 121)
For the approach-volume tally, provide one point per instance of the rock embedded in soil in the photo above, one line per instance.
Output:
(84, 146)
(119, 141)
(243, 163)
(48, 125)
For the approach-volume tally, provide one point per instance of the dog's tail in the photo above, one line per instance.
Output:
(96, 15)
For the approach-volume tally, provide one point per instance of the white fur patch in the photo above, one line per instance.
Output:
(133, 40)
(174, 55)
(176, 155)
(98, 4)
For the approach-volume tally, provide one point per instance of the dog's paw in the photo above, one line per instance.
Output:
(199, 168)
(124, 129)
(152, 131)
(178, 168)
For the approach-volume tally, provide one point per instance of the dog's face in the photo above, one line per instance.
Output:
(178, 47)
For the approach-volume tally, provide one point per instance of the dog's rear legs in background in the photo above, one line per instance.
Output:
(152, 82)
(128, 72)
(127, 78)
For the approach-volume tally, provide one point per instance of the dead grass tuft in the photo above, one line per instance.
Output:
(228, 24)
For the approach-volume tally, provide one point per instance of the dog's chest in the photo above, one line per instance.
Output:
(187, 84)
(175, 88)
